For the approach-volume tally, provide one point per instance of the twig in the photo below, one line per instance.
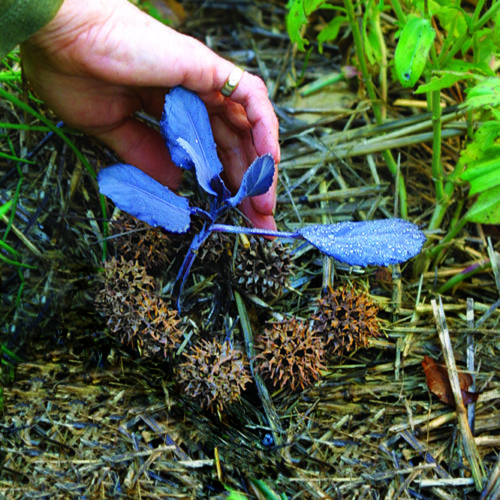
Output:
(416, 445)
(355, 148)
(488, 313)
(495, 263)
(470, 360)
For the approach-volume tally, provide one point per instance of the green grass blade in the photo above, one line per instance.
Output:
(9, 249)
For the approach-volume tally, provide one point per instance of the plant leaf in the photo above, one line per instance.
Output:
(482, 175)
(438, 83)
(486, 209)
(141, 196)
(295, 19)
(455, 71)
(311, 6)
(412, 50)
(330, 31)
(256, 180)
(186, 128)
(377, 242)
(485, 93)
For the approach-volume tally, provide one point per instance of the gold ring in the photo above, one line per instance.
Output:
(232, 81)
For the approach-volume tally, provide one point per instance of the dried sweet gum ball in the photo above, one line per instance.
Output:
(262, 268)
(290, 354)
(346, 317)
(214, 373)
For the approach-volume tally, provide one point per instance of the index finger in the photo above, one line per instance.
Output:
(251, 93)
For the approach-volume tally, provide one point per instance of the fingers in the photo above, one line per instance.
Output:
(139, 51)
(257, 218)
(139, 145)
(119, 44)
(251, 93)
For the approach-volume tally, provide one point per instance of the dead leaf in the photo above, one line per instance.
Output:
(439, 383)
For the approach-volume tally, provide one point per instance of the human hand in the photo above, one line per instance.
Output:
(97, 62)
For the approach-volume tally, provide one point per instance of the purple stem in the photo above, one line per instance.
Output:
(253, 230)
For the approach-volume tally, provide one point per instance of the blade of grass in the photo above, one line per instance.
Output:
(487, 16)
(272, 416)
(15, 263)
(5, 208)
(466, 273)
(28, 109)
(32, 248)
(15, 158)
(267, 492)
(24, 126)
(9, 249)
(10, 76)
(3, 214)
(12, 355)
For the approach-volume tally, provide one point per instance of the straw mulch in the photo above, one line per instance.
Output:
(93, 411)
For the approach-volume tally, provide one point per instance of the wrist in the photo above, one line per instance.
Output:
(21, 18)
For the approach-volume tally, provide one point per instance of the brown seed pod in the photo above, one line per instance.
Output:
(136, 240)
(217, 246)
(157, 334)
(346, 318)
(262, 268)
(122, 280)
(291, 354)
(135, 314)
(214, 373)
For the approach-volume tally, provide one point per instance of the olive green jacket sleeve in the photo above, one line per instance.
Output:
(19, 19)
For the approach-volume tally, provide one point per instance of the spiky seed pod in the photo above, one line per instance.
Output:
(290, 354)
(137, 240)
(346, 318)
(215, 374)
(262, 268)
(216, 247)
(155, 331)
(134, 313)
(122, 280)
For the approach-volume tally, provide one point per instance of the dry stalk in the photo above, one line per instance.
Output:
(492, 488)
(470, 448)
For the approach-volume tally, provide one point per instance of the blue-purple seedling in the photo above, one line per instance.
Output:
(186, 129)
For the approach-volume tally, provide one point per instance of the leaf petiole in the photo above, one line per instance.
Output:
(225, 228)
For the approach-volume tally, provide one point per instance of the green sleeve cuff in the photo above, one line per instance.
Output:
(19, 19)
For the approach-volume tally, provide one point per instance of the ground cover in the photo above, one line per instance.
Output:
(288, 375)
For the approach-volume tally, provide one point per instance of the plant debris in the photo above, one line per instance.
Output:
(439, 383)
